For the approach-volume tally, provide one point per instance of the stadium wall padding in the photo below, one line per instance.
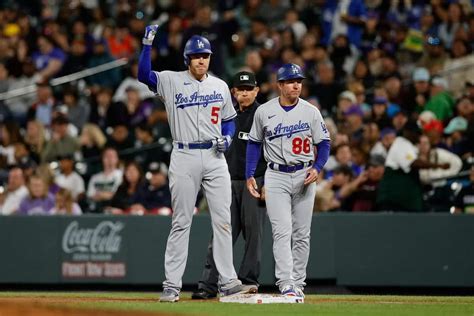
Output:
(414, 250)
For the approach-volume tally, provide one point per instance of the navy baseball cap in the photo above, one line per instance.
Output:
(244, 78)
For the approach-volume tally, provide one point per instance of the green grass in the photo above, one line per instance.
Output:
(314, 304)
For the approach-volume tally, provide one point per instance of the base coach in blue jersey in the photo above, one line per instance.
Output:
(200, 114)
(290, 129)
(248, 214)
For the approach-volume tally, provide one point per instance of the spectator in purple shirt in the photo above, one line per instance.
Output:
(137, 109)
(39, 201)
(48, 59)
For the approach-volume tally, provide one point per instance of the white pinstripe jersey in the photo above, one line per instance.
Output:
(195, 108)
(288, 137)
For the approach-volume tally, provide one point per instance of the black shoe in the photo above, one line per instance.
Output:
(203, 295)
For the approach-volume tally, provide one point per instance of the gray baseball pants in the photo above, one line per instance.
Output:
(248, 218)
(189, 169)
(290, 210)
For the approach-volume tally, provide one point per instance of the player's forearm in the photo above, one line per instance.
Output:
(228, 128)
(145, 75)
(323, 148)
(252, 158)
(227, 131)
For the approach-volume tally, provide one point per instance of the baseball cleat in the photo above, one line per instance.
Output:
(238, 289)
(169, 295)
(201, 294)
(250, 288)
(288, 291)
(299, 291)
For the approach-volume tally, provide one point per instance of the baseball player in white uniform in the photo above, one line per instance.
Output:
(200, 115)
(289, 128)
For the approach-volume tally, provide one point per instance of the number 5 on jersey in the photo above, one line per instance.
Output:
(300, 145)
(215, 114)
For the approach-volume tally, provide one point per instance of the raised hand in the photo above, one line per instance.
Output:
(150, 32)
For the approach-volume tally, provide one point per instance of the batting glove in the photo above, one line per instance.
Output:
(223, 143)
(150, 32)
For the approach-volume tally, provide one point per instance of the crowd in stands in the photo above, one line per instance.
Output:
(102, 143)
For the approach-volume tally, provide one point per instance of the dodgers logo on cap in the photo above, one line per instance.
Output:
(289, 71)
(200, 44)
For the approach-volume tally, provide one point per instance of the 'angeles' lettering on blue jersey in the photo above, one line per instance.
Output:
(194, 99)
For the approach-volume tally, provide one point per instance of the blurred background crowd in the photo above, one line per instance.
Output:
(101, 142)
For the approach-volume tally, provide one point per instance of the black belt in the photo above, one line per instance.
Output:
(289, 168)
(203, 145)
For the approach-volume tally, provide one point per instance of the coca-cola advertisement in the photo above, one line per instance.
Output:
(93, 250)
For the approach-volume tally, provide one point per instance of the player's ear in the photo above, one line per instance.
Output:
(256, 89)
(232, 91)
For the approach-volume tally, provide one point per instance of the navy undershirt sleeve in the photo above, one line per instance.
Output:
(254, 150)
(145, 75)
(323, 148)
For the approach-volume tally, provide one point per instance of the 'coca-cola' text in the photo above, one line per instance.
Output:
(104, 238)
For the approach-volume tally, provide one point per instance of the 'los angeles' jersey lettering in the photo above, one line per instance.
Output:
(195, 108)
(182, 101)
(288, 137)
(287, 130)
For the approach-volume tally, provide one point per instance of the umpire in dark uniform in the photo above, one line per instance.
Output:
(247, 213)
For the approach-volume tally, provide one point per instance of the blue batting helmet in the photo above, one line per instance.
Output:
(290, 71)
(196, 45)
